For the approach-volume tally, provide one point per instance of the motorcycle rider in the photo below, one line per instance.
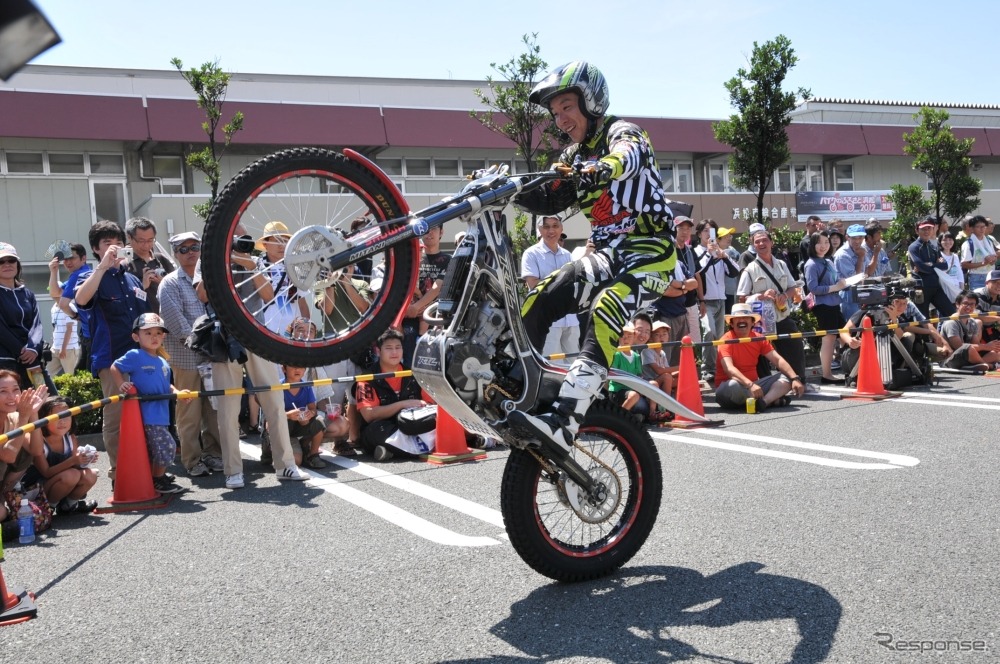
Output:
(620, 191)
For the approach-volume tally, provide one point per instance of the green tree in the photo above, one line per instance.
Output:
(210, 85)
(528, 126)
(756, 132)
(945, 161)
(910, 205)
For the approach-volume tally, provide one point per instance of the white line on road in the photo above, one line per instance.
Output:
(895, 461)
(950, 404)
(395, 515)
(451, 501)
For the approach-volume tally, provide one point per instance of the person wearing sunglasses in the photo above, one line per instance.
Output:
(21, 331)
(180, 308)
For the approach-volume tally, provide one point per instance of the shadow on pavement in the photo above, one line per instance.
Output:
(627, 617)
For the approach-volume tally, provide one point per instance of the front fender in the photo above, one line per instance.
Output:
(655, 394)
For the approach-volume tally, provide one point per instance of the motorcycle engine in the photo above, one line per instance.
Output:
(469, 356)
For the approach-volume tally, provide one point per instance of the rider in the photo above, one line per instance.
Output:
(620, 191)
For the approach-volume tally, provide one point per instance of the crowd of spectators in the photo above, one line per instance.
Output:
(100, 324)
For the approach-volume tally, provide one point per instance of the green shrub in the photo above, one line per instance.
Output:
(81, 388)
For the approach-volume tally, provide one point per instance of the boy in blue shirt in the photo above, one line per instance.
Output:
(149, 373)
(300, 410)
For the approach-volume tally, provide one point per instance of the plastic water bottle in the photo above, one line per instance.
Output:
(26, 523)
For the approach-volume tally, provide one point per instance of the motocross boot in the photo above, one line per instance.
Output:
(557, 429)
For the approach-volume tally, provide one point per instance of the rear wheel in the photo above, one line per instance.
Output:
(311, 203)
(556, 529)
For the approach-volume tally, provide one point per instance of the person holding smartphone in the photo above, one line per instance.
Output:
(714, 265)
(146, 263)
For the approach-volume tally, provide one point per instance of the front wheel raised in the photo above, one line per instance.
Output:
(556, 529)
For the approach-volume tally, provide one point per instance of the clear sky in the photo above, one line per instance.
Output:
(661, 58)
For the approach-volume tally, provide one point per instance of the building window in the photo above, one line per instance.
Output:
(677, 176)
(170, 173)
(390, 166)
(25, 162)
(844, 174)
(66, 163)
(446, 167)
(107, 164)
(418, 167)
(469, 166)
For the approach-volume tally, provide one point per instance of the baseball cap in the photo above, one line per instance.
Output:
(994, 275)
(681, 219)
(179, 239)
(147, 321)
(723, 231)
(756, 228)
(929, 220)
(8, 250)
(856, 230)
(660, 325)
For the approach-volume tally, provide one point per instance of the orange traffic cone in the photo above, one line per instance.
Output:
(870, 384)
(449, 443)
(133, 478)
(689, 390)
(16, 605)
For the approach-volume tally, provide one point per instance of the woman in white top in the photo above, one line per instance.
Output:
(979, 255)
(946, 241)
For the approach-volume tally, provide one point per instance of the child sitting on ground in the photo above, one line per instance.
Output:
(149, 374)
(60, 465)
(300, 410)
(655, 368)
(630, 362)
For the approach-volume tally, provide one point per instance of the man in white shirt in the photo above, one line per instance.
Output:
(979, 255)
(538, 262)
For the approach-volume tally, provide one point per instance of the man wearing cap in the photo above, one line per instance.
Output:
(114, 298)
(147, 265)
(979, 256)
(849, 261)
(925, 259)
(750, 254)
(736, 377)
(539, 261)
(673, 309)
(180, 308)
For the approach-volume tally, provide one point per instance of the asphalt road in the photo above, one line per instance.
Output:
(834, 530)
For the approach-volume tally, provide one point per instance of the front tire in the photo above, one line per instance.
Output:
(306, 189)
(560, 535)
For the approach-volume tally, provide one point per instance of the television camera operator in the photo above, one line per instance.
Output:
(887, 303)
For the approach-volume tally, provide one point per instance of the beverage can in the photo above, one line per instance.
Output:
(36, 376)
(751, 406)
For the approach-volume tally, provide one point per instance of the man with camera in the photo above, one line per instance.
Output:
(197, 424)
(147, 265)
(256, 290)
(114, 298)
(892, 309)
(989, 306)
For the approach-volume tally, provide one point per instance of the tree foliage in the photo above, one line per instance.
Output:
(910, 205)
(210, 85)
(528, 126)
(756, 132)
(944, 159)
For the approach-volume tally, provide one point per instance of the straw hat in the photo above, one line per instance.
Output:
(742, 311)
(273, 229)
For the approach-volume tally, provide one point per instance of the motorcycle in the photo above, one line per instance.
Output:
(570, 518)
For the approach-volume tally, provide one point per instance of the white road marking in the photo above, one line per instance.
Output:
(894, 461)
(950, 404)
(935, 399)
(449, 500)
(385, 510)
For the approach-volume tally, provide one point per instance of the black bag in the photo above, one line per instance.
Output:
(209, 339)
(415, 421)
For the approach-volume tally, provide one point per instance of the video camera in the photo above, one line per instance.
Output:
(874, 292)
